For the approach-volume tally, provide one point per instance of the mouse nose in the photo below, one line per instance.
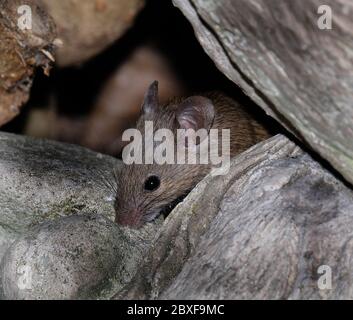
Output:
(131, 219)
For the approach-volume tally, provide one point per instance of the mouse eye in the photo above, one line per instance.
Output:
(152, 183)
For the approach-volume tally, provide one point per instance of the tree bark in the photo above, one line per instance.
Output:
(298, 73)
(21, 51)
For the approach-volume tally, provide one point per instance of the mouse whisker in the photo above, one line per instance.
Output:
(146, 204)
(116, 177)
(107, 181)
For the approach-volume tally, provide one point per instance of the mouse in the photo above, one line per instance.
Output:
(145, 191)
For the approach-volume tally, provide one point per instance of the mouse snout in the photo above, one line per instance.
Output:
(131, 218)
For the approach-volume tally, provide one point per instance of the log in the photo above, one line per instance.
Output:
(82, 256)
(42, 180)
(21, 51)
(86, 28)
(298, 73)
(270, 229)
(267, 230)
(58, 239)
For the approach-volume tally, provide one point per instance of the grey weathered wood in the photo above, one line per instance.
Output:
(58, 238)
(276, 227)
(42, 179)
(81, 256)
(298, 73)
(178, 238)
(260, 232)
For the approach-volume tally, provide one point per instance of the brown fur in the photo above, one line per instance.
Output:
(135, 206)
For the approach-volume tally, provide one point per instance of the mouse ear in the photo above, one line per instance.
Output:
(195, 113)
(151, 102)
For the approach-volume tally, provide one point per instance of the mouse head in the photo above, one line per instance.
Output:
(147, 190)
